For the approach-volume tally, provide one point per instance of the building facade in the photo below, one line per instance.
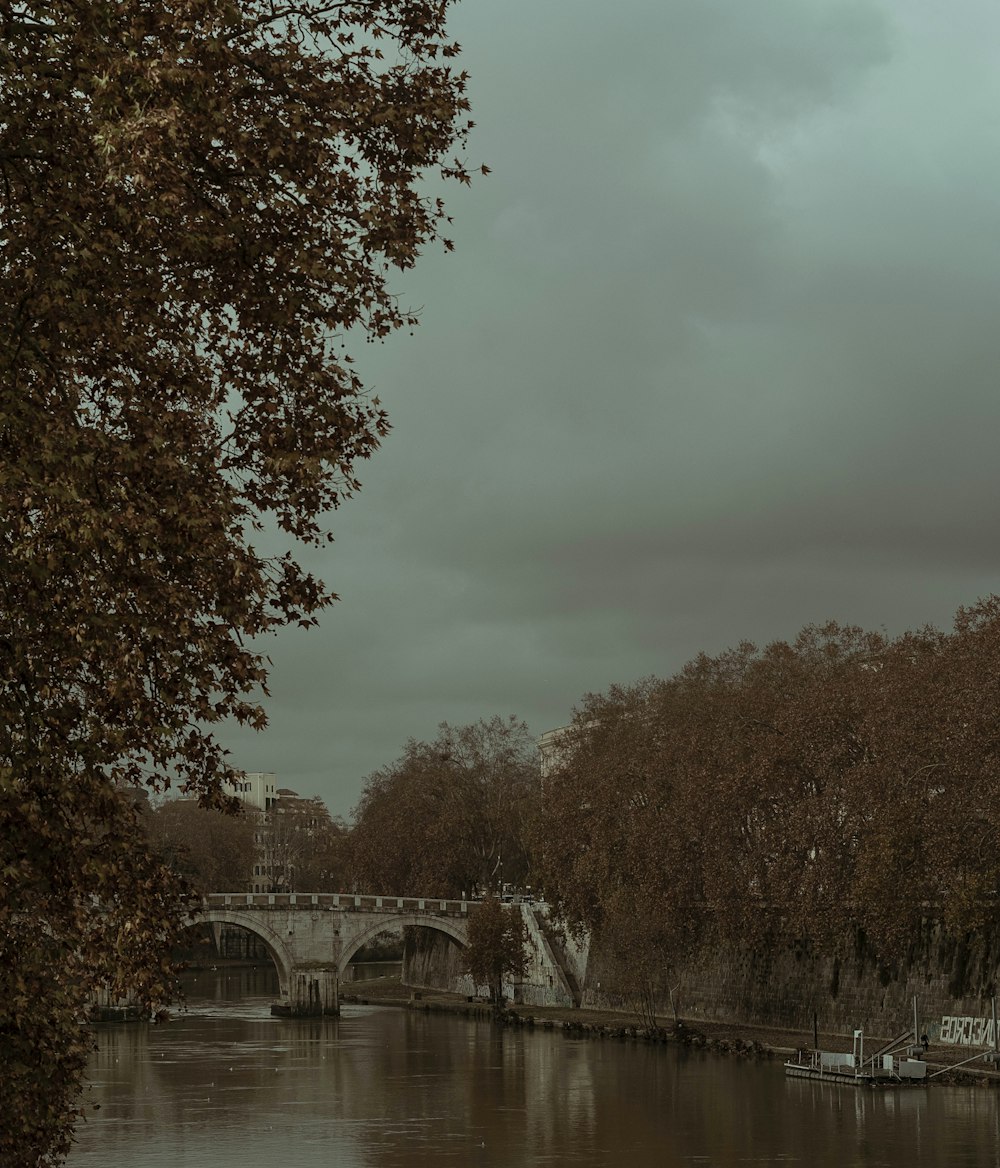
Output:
(255, 789)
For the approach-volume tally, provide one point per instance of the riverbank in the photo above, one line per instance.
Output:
(727, 1038)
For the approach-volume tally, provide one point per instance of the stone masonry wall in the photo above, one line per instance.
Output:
(432, 960)
(779, 985)
(785, 984)
(544, 981)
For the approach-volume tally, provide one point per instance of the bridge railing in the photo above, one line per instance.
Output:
(344, 901)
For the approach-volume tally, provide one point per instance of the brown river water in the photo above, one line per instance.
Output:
(224, 1084)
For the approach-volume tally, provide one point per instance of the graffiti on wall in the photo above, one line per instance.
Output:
(966, 1031)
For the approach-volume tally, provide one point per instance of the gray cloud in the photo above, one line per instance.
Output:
(716, 357)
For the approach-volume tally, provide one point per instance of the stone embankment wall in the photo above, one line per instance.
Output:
(784, 985)
(545, 982)
(431, 960)
(781, 985)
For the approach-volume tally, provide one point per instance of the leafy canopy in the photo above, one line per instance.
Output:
(449, 815)
(213, 851)
(199, 201)
(841, 786)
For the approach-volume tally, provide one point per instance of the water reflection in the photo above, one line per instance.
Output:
(225, 1083)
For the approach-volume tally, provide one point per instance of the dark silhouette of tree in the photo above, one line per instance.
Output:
(198, 202)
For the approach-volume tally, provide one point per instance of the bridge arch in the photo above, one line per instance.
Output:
(456, 929)
(253, 923)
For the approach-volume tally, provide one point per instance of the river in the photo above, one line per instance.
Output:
(225, 1084)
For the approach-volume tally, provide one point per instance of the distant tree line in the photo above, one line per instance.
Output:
(450, 816)
(293, 846)
(845, 783)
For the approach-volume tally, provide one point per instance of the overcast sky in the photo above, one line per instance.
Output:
(716, 356)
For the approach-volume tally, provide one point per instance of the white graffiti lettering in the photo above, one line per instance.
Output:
(967, 1031)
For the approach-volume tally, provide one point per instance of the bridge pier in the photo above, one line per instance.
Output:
(313, 991)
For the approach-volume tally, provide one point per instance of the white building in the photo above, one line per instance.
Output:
(255, 788)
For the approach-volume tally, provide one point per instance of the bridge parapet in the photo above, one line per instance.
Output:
(340, 901)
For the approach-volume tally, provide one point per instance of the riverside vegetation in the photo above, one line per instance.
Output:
(840, 789)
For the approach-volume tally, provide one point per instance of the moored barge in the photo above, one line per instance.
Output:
(884, 1068)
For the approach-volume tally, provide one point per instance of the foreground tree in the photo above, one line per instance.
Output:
(496, 950)
(70, 896)
(198, 200)
(449, 815)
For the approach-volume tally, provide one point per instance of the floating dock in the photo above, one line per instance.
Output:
(884, 1068)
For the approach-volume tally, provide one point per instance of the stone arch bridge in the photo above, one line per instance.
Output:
(312, 936)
